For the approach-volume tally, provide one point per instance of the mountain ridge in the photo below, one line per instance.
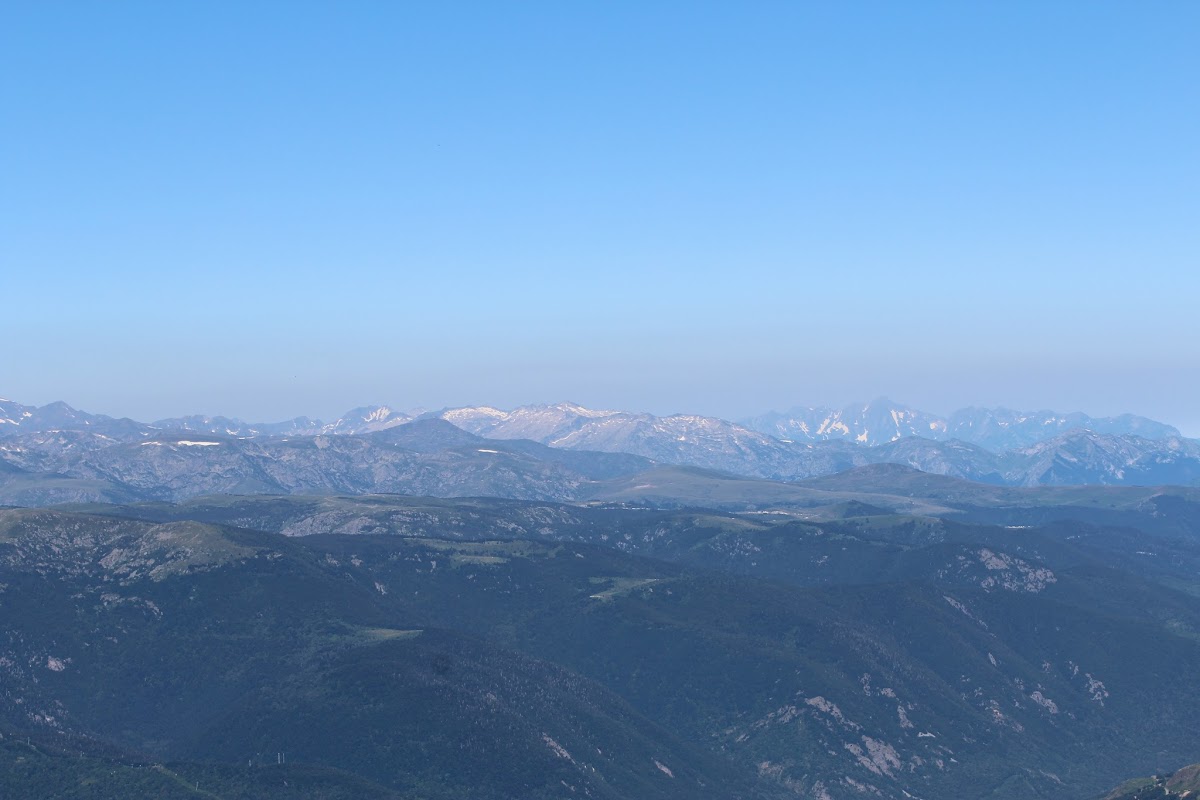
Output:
(548, 452)
(572, 425)
(998, 428)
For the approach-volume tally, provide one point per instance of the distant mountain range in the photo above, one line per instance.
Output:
(17, 419)
(575, 427)
(997, 429)
(56, 453)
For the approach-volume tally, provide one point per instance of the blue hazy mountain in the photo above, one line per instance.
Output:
(56, 454)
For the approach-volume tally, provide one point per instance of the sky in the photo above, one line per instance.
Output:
(274, 209)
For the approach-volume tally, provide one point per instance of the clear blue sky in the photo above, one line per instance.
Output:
(270, 209)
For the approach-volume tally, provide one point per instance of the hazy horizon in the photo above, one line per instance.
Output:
(290, 209)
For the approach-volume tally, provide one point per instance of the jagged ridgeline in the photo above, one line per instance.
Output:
(55, 454)
(927, 638)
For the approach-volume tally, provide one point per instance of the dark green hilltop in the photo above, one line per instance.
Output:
(880, 633)
(1179, 784)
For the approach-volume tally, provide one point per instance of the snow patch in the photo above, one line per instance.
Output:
(183, 444)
